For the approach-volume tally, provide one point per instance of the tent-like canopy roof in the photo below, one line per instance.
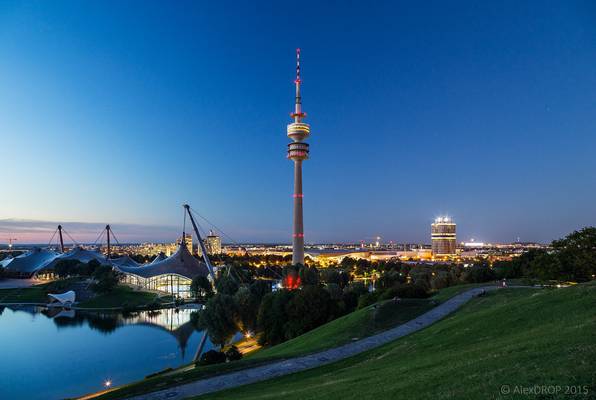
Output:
(160, 257)
(79, 254)
(124, 261)
(32, 261)
(180, 263)
(82, 255)
(6, 261)
(63, 298)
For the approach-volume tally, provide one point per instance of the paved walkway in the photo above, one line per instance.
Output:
(285, 367)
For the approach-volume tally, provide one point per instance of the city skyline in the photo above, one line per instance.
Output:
(484, 118)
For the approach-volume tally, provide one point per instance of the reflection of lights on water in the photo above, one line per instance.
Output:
(107, 383)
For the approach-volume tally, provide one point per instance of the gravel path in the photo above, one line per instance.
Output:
(285, 367)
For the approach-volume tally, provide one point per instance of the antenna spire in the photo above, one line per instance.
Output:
(298, 66)
(298, 114)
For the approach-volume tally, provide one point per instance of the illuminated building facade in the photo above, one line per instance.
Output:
(443, 237)
(213, 243)
(298, 131)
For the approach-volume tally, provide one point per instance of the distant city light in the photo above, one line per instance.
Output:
(107, 383)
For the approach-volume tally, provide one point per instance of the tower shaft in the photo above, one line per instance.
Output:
(298, 236)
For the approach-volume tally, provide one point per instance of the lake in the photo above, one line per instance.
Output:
(53, 353)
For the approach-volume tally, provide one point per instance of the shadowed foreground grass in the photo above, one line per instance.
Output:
(518, 337)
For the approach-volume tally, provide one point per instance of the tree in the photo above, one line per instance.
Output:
(337, 276)
(201, 287)
(478, 274)
(248, 309)
(273, 317)
(220, 318)
(576, 254)
(227, 284)
(440, 280)
(106, 279)
(310, 308)
(308, 275)
(64, 268)
(248, 300)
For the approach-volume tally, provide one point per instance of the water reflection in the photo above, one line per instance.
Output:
(177, 322)
(46, 342)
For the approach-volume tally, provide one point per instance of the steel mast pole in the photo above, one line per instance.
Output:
(203, 248)
(61, 239)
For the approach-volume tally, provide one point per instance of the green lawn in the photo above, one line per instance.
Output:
(359, 324)
(123, 296)
(517, 337)
(35, 294)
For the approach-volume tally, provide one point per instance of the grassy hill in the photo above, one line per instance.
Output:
(361, 323)
(518, 337)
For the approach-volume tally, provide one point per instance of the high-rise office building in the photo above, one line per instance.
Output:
(298, 131)
(443, 237)
(213, 243)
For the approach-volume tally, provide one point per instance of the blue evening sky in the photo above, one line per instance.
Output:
(120, 111)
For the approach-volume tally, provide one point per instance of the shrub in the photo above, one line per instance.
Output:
(212, 357)
(233, 354)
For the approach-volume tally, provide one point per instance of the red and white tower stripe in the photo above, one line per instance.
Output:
(298, 131)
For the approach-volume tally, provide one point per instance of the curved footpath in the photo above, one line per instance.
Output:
(289, 366)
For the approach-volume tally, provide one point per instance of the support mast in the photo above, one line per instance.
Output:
(200, 240)
(108, 236)
(61, 239)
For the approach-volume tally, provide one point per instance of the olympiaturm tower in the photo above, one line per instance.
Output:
(298, 152)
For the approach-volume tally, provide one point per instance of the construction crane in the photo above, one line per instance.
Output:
(10, 241)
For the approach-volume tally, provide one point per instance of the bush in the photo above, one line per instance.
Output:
(212, 357)
(233, 354)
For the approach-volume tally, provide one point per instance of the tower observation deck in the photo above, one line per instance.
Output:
(298, 150)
